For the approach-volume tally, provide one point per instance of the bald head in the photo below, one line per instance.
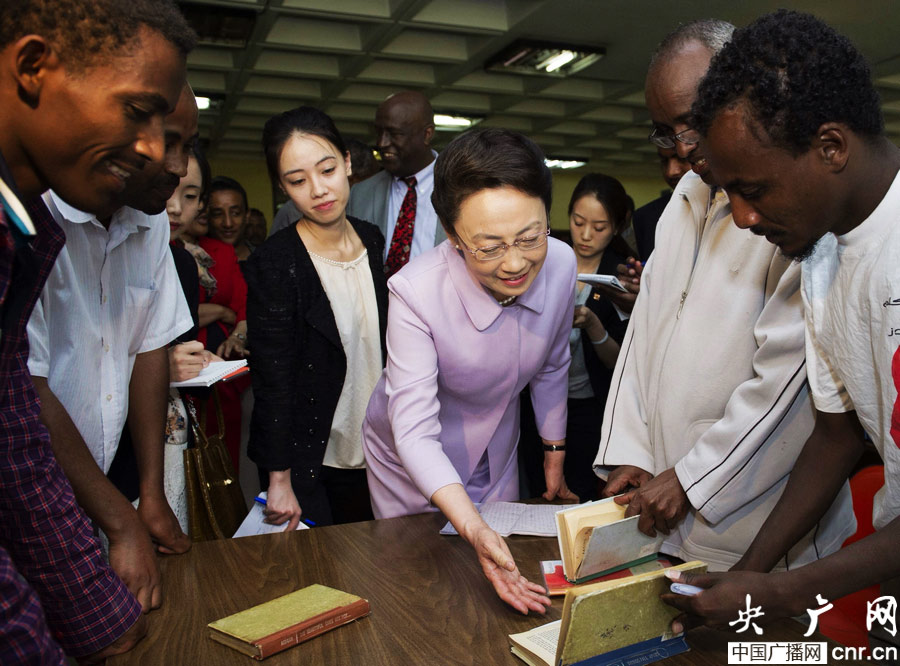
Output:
(675, 71)
(404, 128)
(710, 33)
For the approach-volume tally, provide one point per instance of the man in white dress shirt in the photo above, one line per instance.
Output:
(109, 309)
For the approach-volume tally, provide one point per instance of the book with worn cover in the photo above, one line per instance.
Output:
(596, 539)
(612, 622)
(278, 624)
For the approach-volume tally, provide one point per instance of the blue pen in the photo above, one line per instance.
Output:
(262, 500)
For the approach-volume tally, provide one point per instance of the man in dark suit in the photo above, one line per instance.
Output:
(645, 218)
(404, 128)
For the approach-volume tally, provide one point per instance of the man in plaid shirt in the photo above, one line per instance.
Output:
(84, 86)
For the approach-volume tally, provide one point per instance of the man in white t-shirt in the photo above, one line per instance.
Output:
(793, 130)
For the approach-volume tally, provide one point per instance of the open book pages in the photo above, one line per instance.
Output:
(596, 539)
(537, 647)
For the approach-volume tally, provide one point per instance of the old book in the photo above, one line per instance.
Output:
(611, 622)
(278, 624)
(596, 539)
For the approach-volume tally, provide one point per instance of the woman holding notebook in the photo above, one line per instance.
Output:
(316, 309)
(597, 217)
(471, 323)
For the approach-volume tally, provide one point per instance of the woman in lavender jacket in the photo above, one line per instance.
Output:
(470, 323)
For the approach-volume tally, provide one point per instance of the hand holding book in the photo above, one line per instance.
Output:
(661, 503)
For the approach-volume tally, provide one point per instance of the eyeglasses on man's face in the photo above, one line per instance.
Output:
(663, 139)
(494, 252)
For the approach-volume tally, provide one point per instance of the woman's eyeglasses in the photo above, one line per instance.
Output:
(492, 252)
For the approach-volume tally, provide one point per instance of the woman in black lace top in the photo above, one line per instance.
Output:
(316, 312)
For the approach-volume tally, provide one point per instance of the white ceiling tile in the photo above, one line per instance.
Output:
(364, 92)
(634, 99)
(637, 133)
(312, 33)
(239, 120)
(238, 134)
(351, 112)
(517, 123)
(262, 105)
(370, 8)
(606, 144)
(610, 114)
(207, 81)
(539, 107)
(298, 64)
(214, 58)
(548, 140)
(402, 72)
(349, 128)
(284, 87)
(499, 83)
(461, 101)
(429, 45)
(574, 127)
(626, 157)
(575, 89)
(480, 14)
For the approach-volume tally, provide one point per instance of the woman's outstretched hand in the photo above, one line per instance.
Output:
(493, 554)
(501, 570)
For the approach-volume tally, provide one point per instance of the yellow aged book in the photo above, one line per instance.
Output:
(278, 624)
(595, 539)
(610, 622)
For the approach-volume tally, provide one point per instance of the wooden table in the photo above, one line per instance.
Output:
(431, 605)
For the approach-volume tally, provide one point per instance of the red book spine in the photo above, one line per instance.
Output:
(330, 619)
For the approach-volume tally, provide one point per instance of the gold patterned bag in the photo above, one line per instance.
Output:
(215, 502)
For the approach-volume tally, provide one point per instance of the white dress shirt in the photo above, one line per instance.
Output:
(111, 295)
(426, 219)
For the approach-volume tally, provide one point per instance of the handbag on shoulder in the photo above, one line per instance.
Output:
(215, 502)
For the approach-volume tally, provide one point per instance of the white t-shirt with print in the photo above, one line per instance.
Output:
(851, 296)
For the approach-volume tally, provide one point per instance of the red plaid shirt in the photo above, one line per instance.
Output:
(47, 536)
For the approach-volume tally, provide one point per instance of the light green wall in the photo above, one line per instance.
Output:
(253, 176)
(642, 190)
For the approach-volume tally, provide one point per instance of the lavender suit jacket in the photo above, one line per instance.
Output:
(449, 396)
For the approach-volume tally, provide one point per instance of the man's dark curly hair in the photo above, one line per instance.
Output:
(796, 73)
(81, 30)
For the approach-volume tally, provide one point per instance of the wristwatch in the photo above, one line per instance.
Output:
(554, 447)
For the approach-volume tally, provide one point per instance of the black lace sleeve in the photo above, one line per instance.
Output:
(271, 330)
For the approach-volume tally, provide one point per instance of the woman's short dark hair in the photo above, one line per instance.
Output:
(608, 191)
(303, 120)
(484, 159)
(205, 173)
